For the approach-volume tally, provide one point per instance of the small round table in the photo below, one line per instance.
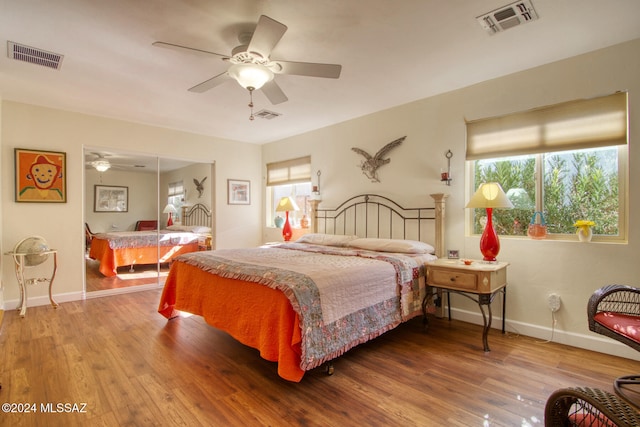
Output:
(21, 264)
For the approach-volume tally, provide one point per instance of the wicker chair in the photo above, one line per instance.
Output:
(614, 311)
(589, 407)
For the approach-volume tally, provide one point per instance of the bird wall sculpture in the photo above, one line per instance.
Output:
(371, 164)
(199, 185)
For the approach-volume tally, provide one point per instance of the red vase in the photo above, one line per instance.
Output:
(489, 242)
(286, 230)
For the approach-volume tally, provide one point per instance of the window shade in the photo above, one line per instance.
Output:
(585, 123)
(289, 171)
(176, 188)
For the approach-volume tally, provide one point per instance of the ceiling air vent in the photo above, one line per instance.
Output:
(266, 114)
(508, 16)
(33, 55)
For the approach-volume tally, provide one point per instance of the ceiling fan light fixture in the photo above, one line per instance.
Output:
(101, 165)
(250, 76)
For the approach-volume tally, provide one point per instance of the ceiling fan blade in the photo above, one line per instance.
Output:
(211, 83)
(179, 48)
(266, 36)
(274, 93)
(331, 71)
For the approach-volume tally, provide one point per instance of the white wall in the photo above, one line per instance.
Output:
(435, 125)
(28, 126)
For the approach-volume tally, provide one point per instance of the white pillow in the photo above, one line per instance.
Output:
(326, 239)
(189, 228)
(392, 245)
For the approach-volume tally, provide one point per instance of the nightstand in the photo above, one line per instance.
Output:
(479, 281)
(205, 243)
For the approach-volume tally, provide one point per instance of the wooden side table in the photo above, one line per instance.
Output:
(479, 281)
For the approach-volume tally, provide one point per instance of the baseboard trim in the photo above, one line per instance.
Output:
(117, 291)
(588, 342)
(77, 296)
(596, 343)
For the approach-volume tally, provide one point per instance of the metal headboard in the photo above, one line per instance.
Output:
(371, 215)
(198, 214)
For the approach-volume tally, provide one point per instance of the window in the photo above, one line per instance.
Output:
(176, 197)
(289, 178)
(568, 161)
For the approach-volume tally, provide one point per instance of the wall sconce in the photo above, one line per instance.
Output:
(315, 190)
(445, 176)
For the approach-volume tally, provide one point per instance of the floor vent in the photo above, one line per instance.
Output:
(266, 114)
(512, 15)
(33, 55)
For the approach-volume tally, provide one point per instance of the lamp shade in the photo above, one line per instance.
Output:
(287, 204)
(170, 209)
(250, 76)
(489, 196)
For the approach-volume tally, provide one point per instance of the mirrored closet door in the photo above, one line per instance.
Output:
(121, 196)
(131, 206)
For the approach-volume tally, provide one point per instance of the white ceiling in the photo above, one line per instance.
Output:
(392, 52)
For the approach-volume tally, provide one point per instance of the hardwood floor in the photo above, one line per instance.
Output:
(132, 367)
(145, 274)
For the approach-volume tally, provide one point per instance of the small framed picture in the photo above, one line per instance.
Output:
(110, 198)
(41, 176)
(454, 254)
(238, 192)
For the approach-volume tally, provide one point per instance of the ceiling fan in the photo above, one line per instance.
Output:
(252, 67)
(99, 162)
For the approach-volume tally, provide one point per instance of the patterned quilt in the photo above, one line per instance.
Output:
(142, 239)
(343, 297)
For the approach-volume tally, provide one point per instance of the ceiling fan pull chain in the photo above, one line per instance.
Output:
(251, 104)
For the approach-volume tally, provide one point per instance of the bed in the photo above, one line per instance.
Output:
(130, 248)
(356, 275)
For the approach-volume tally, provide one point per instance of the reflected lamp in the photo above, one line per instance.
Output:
(489, 196)
(170, 209)
(286, 204)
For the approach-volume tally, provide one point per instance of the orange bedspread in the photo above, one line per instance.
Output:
(258, 316)
(111, 259)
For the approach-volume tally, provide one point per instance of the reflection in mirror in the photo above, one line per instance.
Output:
(120, 190)
(130, 208)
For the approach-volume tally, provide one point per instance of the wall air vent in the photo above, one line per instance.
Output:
(266, 114)
(33, 55)
(508, 16)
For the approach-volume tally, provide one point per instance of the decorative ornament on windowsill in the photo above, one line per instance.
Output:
(584, 231)
(489, 196)
(285, 205)
(170, 209)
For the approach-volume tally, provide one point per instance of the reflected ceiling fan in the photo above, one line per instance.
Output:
(99, 162)
(252, 67)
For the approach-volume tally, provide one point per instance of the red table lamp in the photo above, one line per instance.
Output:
(286, 204)
(170, 209)
(489, 196)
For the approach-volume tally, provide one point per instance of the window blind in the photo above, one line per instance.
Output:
(289, 171)
(176, 188)
(573, 125)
